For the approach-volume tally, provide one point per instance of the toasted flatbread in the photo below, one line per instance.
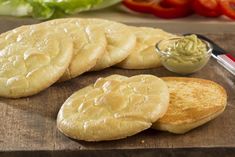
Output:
(193, 102)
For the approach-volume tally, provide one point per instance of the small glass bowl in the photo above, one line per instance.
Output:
(181, 65)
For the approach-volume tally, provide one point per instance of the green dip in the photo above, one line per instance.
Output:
(186, 55)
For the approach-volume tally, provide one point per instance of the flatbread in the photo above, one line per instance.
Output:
(32, 58)
(144, 56)
(89, 44)
(193, 102)
(113, 108)
(120, 42)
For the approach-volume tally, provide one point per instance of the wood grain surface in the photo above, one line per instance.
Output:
(28, 125)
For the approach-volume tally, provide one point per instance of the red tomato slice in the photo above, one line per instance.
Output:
(228, 8)
(178, 3)
(143, 6)
(169, 12)
(208, 8)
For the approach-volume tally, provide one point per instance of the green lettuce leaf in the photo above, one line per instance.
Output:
(40, 9)
(45, 9)
(15, 7)
(105, 4)
(72, 6)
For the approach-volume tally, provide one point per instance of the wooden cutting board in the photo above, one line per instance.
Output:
(28, 125)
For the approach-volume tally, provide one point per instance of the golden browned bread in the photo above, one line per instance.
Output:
(113, 108)
(120, 42)
(193, 102)
(32, 58)
(144, 55)
(89, 44)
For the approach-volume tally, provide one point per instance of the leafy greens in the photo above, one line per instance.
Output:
(44, 9)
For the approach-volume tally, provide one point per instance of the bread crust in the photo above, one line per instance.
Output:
(89, 44)
(186, 111)
(32, 58)
(144, 55)
(113, 108)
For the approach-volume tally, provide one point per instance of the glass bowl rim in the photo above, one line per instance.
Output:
(209, 46)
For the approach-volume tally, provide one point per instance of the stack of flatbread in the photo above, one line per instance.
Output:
(34, 57)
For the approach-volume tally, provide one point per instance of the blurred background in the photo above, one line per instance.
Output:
(177, 16)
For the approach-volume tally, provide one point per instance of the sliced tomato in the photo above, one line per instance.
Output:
(161, 10)
(208, 8)
(228, 8)
(143, 6)
(178, 3)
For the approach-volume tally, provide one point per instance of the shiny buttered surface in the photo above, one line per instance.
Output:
(113, 108)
